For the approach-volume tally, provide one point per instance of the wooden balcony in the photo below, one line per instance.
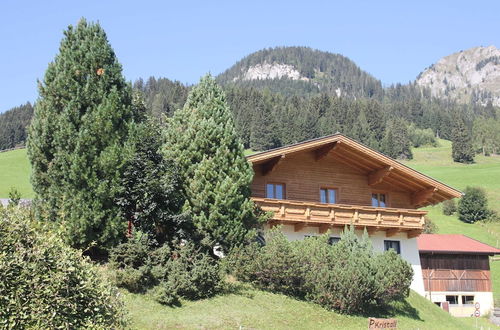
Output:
(326, 216)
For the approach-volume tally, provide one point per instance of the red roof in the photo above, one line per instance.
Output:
(453, 244)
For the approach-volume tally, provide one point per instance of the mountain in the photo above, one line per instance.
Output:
(301, 70)
(471, 75)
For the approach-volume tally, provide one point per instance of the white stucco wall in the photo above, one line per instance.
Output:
(409, 248)
(485, 300)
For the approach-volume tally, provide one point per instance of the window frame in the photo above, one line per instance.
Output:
(398, 250)
(456, 298)
(329, 188)
(378, 193)
(274, 189)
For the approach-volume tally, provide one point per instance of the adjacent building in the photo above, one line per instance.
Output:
(456, 272)
(321, 185)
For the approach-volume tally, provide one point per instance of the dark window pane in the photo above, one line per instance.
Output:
(395, 245)
(279, 191)
(453, 300)
(322, 195)
(270, 191)
(331, 196)
(381, 200)
(333, 240)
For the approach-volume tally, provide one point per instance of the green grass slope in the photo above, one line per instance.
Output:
(485, 173)
(15, 172)
(254, 309)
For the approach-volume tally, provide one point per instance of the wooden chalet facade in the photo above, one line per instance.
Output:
(321, 185)
(456, 272)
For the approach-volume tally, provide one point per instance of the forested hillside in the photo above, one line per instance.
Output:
(13, 125)
(285, 95)
(301, 71)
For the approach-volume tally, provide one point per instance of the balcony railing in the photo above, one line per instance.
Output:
(392, 220)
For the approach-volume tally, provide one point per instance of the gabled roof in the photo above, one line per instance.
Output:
(379, 167)
(453, 244)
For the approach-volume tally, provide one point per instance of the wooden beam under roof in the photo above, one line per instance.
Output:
(323, 228)
(321, 152)
(413, 233)
(421, 196)
(299, 226)
(391, 232)
(378, 176)
(349, 162)
(373, 164)
(271, 164)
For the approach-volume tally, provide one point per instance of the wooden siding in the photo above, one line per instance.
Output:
(452, 272)
(303, 177)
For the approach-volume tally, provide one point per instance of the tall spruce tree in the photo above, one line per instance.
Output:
(461, 147)
(215, 175)
(77, 141)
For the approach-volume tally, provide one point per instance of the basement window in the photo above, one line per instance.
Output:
(275, 190)
(467, 300)
(333, 240)
(395, 245)
(452, 300)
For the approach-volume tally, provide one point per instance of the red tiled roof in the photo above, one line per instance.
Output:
(450, 244)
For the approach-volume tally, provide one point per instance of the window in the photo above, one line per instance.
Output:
(275, 190)
(328, 196)
(467, 300)
(333, 240)
(395, 245)
(452, 300)
(379, 200)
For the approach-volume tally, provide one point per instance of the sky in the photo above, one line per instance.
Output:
(182, 40)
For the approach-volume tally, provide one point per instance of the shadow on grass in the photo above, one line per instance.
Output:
(394, 309)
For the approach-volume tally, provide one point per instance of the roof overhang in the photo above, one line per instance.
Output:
(377, 166)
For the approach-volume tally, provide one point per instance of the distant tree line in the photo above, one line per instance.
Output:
(13, 125)
(405, 116)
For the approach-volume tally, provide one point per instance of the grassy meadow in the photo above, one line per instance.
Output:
(254, 309)
(15, 173)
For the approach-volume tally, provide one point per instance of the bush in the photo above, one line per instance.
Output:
(45, 284)
(421, 137)
(430, 226)
(473, 206)
(170, 274)
(449, 207)
(347, 277)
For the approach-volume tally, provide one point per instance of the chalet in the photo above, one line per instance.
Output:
(456, 272)
(321, 185)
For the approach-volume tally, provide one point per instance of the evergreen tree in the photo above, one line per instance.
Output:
(214, 172)
(396, 143)
(151, 198)
(473, 206)
(263, 130)
(461, 147)
(78, 138)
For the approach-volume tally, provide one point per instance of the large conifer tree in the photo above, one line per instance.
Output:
(78, 137)
(215, 175)
(461, 147)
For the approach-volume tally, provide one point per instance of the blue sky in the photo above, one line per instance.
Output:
(182, 40)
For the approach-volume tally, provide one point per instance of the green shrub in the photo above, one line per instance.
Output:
(347, 276)
(170, 274)
(421, 137)
(449, 207)
(45, 284)
(132, 265)
(430, 226)
(473, 206)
